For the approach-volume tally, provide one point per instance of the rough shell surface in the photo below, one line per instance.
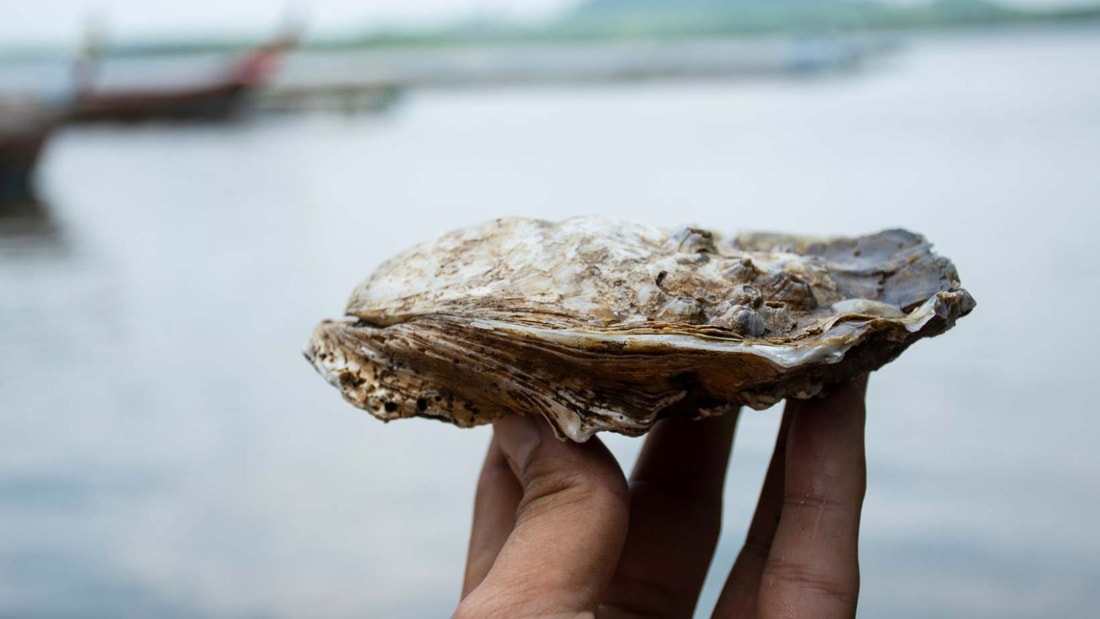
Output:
(604, 325)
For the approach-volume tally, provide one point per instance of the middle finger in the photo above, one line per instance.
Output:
(675, 518)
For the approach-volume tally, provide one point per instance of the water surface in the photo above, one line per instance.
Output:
(166, 452)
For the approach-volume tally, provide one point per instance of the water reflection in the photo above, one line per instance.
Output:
(28, 223)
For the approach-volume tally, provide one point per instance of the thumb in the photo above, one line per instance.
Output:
(570, 526)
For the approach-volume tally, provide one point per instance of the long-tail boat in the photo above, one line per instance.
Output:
(219, 99)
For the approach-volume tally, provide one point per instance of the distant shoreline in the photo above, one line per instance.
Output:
(567, 32)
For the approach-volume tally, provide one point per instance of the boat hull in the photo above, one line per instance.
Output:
(212, 103)
(19, 154)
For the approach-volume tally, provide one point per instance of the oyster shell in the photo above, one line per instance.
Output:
(603, 325)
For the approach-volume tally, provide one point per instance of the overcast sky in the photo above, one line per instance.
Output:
(62, 21)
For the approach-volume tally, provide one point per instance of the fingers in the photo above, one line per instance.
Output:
(812, 568)
(675, 518)
(740, 594)
(498, 496)
(570, 525)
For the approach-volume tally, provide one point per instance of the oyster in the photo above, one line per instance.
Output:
(603, 325)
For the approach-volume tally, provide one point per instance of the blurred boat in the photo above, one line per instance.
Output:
(219, 99)
(25, 126)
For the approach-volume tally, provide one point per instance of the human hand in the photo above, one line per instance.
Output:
(558, 533)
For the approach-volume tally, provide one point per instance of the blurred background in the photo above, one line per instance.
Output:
(188, 187)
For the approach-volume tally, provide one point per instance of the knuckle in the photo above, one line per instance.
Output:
(554, 490)
(820, 501)
(840, 587)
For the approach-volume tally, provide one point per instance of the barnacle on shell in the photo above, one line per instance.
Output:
(604, 325)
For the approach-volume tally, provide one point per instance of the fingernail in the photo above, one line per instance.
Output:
(518, 437)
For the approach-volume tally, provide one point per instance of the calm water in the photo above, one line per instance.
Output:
(165, 452)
